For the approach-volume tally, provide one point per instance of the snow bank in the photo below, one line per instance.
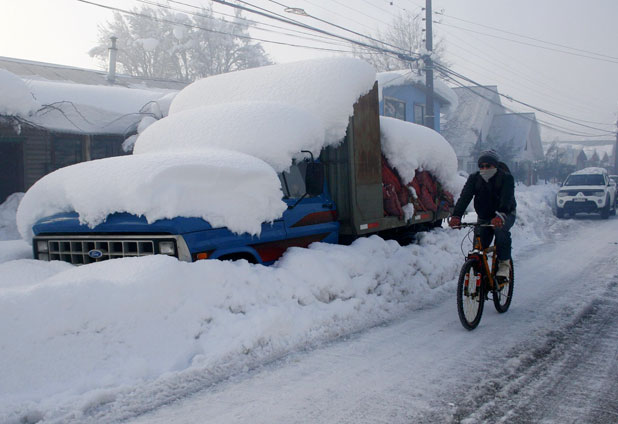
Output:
(167, 328)
(15, 96)
(8, 209)
(273, 132)
(409, 146)
(217, 185)
(324, 88)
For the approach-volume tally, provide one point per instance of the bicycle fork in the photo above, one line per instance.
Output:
(474, 283)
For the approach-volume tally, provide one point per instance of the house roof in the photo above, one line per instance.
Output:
(29, 69)
(472, 118)
(520, 131)
(82, 101)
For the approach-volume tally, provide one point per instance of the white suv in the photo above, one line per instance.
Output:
(589, 190)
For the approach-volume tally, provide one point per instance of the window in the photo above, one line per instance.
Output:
(419, 114)
(293, 182)
(66, 150)
(105, 146)
(394, 108)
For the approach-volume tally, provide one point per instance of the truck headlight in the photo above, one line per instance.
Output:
(562, 193)
(167, 248)
(598, 193)
(42, 246)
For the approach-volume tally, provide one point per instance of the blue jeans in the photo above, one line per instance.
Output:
(503, 237)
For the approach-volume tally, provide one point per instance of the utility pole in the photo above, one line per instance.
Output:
(429, 109)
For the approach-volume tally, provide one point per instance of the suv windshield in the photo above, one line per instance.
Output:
(584, 179)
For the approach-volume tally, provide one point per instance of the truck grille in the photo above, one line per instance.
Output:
(80, 250)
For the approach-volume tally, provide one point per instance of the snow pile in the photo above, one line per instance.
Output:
(8, 209)
(219, 186)
(409, 147)
(323, 88)
(273, 132)
(168, 328)
(15, 96)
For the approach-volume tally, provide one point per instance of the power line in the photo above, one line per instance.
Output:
(249, 23)
(525, 36)
(525, 43)
(208, 29)
(539, 85)
(448, 73)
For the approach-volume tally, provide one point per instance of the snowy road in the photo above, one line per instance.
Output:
(551, 358)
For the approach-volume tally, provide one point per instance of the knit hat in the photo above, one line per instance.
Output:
(488, 156)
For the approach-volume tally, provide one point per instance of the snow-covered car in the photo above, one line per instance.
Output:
(589, 190)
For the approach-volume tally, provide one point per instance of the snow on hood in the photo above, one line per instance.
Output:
(324, 88)
(273, 132)
(16, 98)
(409, 146)
(216, 185)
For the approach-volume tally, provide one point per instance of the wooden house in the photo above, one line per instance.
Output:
(80, 115)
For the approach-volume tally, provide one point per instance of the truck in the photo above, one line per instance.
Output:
(334, 198)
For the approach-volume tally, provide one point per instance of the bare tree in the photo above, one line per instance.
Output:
(160, 43)
(405, 35)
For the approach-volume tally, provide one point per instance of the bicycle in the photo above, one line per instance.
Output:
(478, 278)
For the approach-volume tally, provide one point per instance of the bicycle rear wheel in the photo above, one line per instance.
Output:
(503, 295)
(470, 296)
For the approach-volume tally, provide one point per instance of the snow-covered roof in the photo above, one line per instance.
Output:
(443, 92)
(520, 132)
(79, 108)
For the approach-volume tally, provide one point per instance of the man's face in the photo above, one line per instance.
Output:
(486, 166)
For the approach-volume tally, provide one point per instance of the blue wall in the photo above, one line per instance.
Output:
(410, 95)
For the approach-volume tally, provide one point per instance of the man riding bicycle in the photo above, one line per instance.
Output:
(493, 190)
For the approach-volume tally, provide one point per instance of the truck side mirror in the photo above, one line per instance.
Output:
(314, 178)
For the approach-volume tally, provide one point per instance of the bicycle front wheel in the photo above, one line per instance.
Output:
(504, 292)
(470, 296)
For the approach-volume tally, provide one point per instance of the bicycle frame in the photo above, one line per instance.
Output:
(483, 255)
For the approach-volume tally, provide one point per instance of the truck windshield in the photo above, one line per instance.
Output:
(293, 182)
(585, 179)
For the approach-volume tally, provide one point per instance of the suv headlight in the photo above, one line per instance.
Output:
(562, 194)
(599, 193)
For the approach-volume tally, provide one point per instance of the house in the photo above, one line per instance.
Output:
(403, 95)
(468, 126)
(480, 122)
(517, 139)
(53, 116)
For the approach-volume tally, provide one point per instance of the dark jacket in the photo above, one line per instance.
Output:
(496, 195)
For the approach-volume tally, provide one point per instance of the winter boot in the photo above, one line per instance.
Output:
(504, 269)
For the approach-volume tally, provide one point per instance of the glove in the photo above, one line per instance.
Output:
(497, 222)
(454, 222)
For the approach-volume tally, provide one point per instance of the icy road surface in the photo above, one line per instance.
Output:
(551, 358)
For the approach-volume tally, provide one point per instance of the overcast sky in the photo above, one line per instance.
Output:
(581, 88)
